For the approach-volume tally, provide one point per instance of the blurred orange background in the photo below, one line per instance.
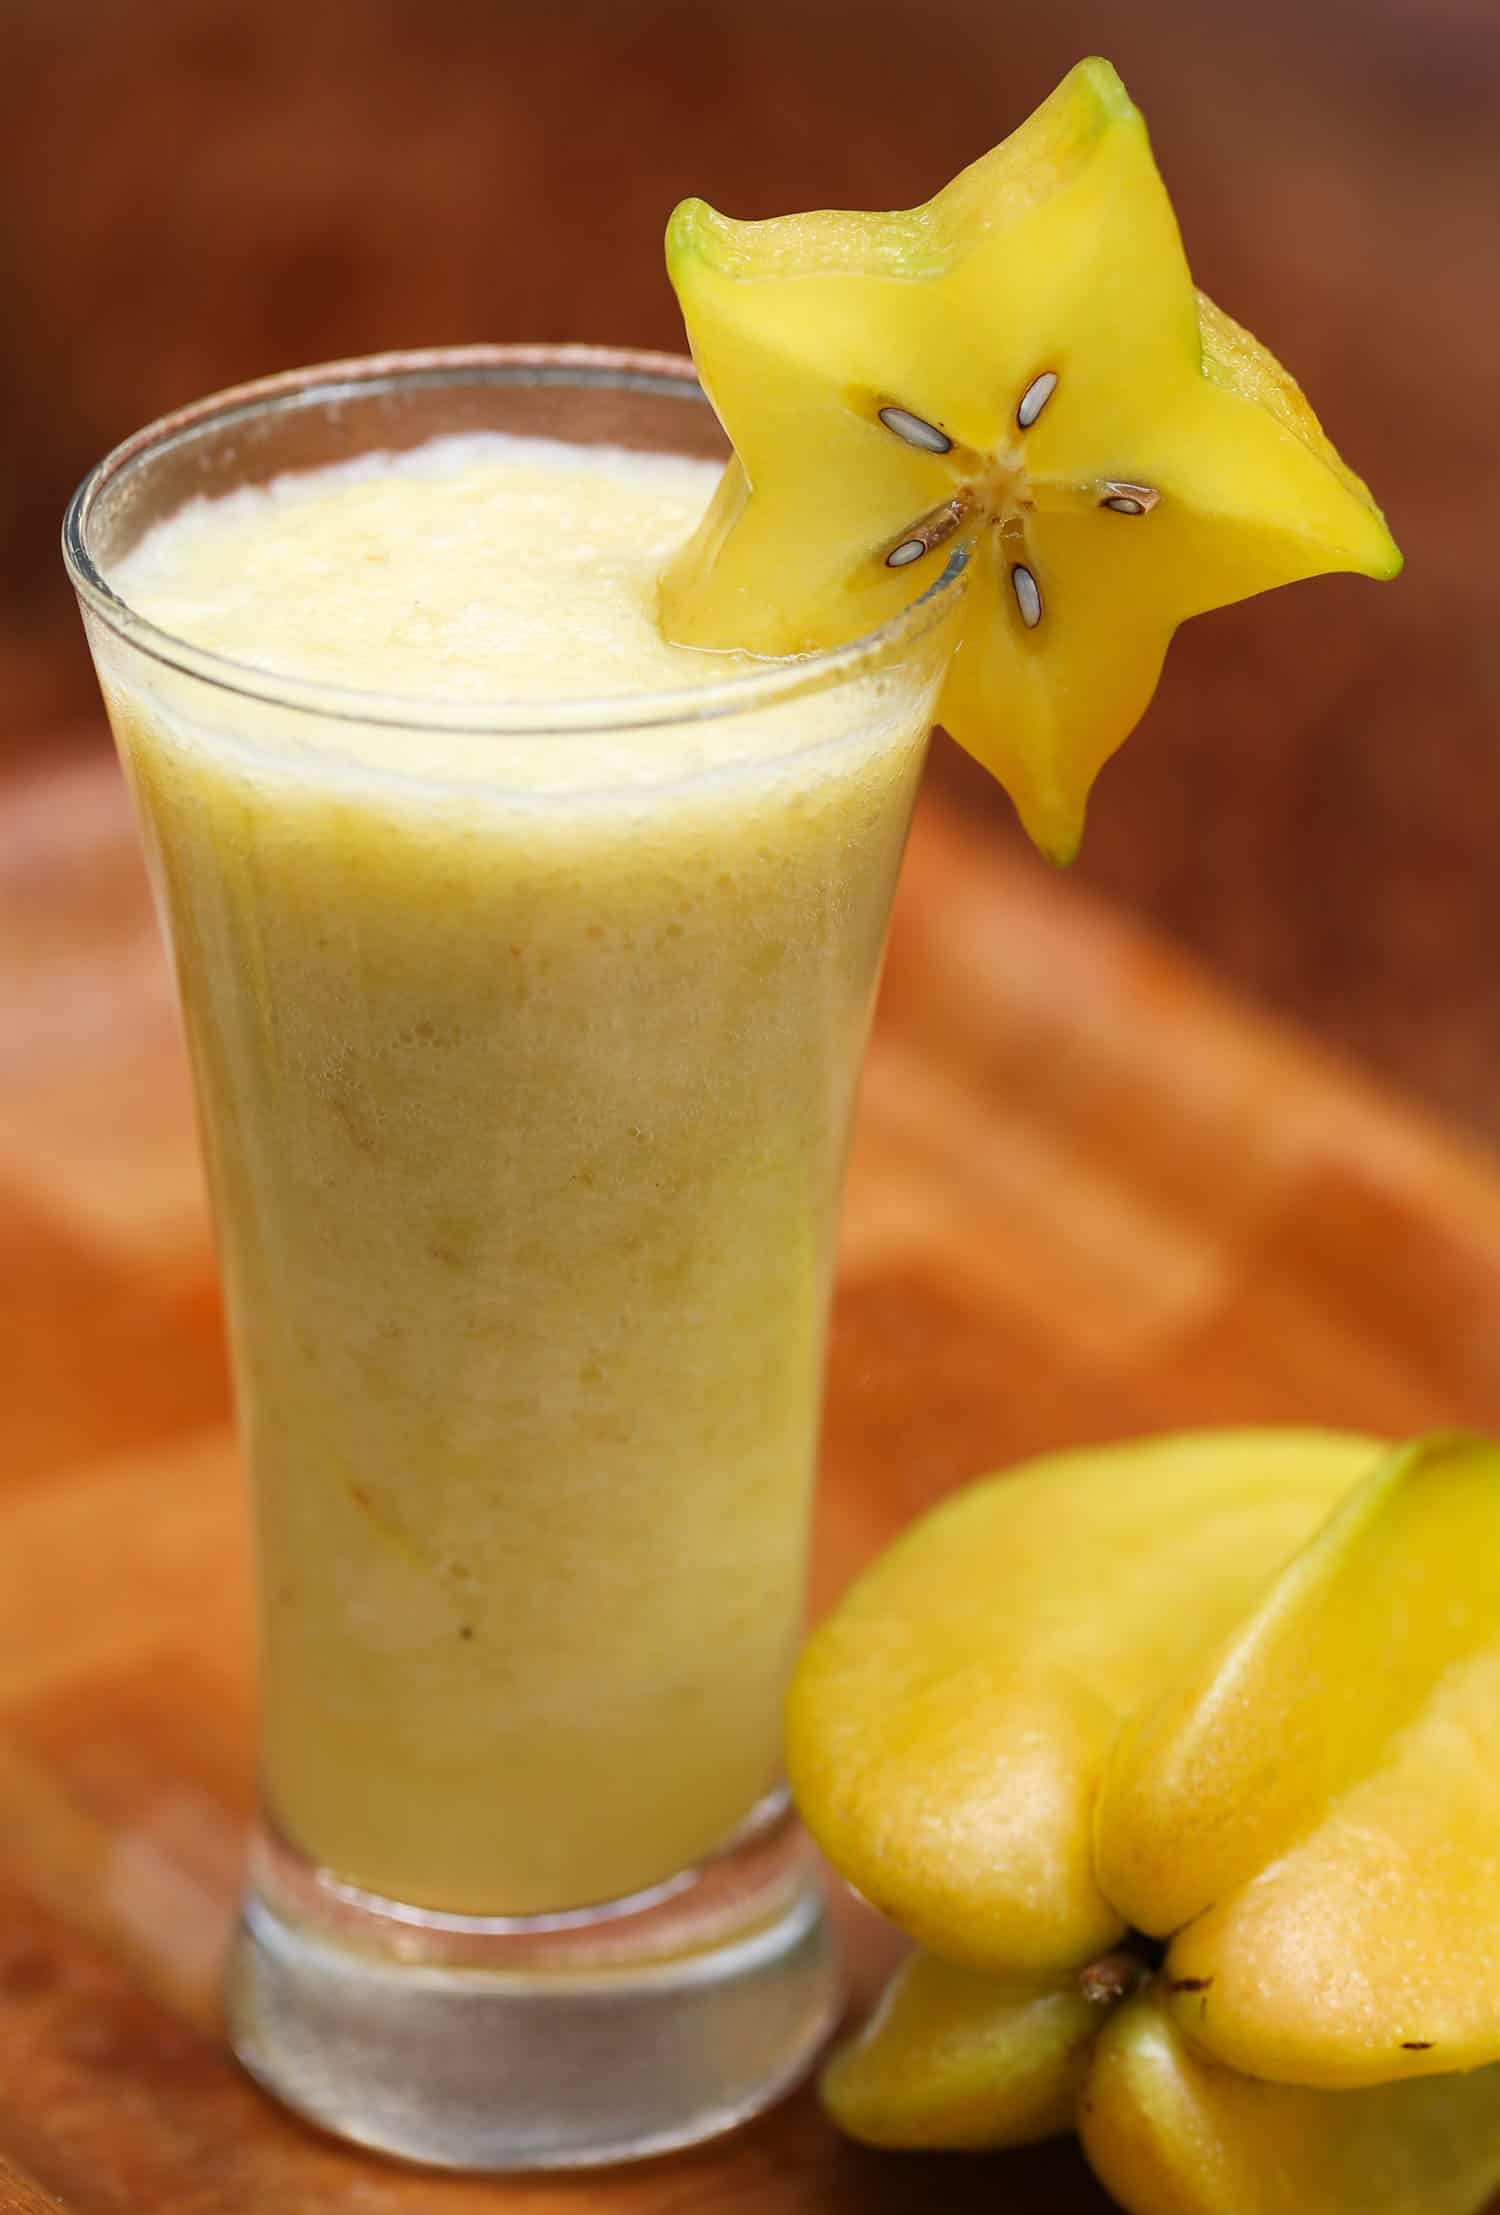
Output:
(196, 191)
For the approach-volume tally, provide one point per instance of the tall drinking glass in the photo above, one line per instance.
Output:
(524, 1086)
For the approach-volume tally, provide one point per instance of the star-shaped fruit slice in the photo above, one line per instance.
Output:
(1022, 369)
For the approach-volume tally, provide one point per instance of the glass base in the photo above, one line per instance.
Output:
(543, 2041)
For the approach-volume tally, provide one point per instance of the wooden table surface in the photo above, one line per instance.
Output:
(1091, 1194)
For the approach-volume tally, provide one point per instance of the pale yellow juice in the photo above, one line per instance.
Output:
(524, 1067)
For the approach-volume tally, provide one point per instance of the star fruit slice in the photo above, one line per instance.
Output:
(1021, 368)
(1314, 1808)
(949, 1722)
(1168, 2133)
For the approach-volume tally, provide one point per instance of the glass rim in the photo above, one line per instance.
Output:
(769, 684)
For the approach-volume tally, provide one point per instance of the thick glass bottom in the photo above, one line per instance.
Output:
(537, 2042)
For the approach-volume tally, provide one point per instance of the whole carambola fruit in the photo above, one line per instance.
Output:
(1179, 1759)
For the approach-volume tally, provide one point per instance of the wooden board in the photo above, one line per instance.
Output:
(1090, 1195)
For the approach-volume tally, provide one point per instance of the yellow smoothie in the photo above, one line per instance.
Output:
(524, 1065)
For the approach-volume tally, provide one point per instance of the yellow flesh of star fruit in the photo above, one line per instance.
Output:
(1020, 368)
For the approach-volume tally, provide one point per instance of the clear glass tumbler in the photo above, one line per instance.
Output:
(524, 1070)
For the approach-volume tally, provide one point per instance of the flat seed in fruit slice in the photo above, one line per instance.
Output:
(950, 1720)
(1028, 347)
(951, 2059)
(1315, 1807)
(1168, 2133)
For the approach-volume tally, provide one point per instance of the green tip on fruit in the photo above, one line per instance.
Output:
(1105, 84)
(1021, 364)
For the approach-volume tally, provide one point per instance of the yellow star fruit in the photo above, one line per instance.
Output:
(1021, 374)
(1168, 2133)
(1315, 1806)
(953, 2059)
(950, 1721)
(1247, 1939)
